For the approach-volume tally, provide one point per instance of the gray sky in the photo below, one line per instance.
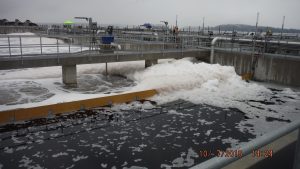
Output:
(190, 12)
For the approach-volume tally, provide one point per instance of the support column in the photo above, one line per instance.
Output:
(69, 75)
(150, 62)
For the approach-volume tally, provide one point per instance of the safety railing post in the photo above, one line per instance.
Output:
(182, 39)
(163, 45)
(21, 50)
(9, 49)
(142, 46)
(57, 50)
(41, 45)
(80, 44)
(69, 47)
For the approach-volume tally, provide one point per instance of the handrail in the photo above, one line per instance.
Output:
(214, 41)
(247, 148)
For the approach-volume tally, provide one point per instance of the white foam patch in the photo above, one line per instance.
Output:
(233, 142)
(216, 85)
(197, 82)
(28, 163)
(174, 112)
(208, 132)
(185, 160)
(60, 154)
(79, 157)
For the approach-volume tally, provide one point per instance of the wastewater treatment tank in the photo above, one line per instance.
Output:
(140, 134)
(215, 110)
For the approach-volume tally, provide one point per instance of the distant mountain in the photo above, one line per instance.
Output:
(250, 28)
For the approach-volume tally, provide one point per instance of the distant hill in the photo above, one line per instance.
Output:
(250, 28)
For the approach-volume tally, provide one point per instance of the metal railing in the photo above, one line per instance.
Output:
(247, 148)
(22, 45)
(261, 46)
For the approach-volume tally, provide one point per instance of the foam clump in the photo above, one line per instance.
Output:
(197, 82)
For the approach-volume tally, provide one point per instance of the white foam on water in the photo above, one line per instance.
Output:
(79, 157)
(31, 45)
(28, 163)
(60, 154)
(49, 77)
(197, 82)
(220, 86)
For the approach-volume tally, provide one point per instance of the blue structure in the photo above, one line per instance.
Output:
(107, 39)
(147, 25)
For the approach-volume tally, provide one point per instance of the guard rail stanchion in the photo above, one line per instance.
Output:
(41, 45)
(9, 49)
(21, 50)
(57, 50)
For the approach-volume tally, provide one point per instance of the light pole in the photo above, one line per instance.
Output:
(166, 24)
(282, 27)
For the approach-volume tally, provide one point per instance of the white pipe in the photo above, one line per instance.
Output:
(212, 51)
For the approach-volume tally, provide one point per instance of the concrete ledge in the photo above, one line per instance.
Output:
(10, 116)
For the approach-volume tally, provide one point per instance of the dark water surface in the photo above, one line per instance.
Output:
(170, 135)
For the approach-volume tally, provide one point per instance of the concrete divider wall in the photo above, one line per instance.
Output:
(268, 67)
(10, 116)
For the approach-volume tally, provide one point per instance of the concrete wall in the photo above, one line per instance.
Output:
(279, 69)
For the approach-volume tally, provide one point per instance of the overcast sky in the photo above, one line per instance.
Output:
(136, 12)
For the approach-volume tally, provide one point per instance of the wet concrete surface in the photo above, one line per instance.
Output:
(151, 136)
